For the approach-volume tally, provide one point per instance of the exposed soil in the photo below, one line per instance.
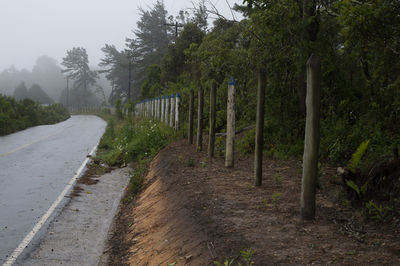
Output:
(90, 177)
(193, 211)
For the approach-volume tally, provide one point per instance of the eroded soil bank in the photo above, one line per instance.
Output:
(193, 211)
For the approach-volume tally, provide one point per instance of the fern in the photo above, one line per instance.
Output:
(356, 157)
(352, 185)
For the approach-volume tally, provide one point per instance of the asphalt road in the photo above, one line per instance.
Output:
(35, 166)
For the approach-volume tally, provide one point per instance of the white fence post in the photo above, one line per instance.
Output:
(177, 98)
(166, 109)
(162, 108)
(172, 116)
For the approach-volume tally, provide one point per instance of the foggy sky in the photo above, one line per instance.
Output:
(31, 28)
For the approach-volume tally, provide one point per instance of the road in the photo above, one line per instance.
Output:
(35, 166)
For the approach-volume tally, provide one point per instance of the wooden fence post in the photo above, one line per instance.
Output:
(259, 127)
(211, 139)
(200, 119)
(191, 116)
(311, 140)
(230, 126)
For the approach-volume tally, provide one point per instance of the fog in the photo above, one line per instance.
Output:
(35, 35)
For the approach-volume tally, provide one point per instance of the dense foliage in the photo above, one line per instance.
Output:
(18, 115)
(359, 46)
(127, 140)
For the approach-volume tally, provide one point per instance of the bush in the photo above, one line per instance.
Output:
(19, 115)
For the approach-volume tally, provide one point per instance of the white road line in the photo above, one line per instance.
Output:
(49, 212)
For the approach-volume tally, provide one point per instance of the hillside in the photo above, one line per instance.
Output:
(193, 211)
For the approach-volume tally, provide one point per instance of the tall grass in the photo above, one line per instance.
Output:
(133, 140)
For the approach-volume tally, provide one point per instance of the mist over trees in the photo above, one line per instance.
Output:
(83, 79)
(36, 94)
(46, 73)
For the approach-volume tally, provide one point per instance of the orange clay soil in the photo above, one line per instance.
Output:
(194, 211)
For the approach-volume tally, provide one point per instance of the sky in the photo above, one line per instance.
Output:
(32, 28)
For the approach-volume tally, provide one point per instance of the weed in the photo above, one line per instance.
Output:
(347, 204)
(351, 252)
(359, 190)
(203, 164)
(265, 203)
(275, 199)
(247, 256)
(379, 213)
(225, 263)
(356, 157)
(191, 162)
(277, 179)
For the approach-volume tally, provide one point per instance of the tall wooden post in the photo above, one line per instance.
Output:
(211, 139)
(200, 108)
(259, 127)
(191, 116)
(230, 126)
(311, 141)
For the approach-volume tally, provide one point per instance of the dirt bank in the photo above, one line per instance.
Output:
(193, 211)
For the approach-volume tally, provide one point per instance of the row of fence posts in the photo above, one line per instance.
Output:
(164, 109)
(311, 142)
(167, 107)
(85, 109)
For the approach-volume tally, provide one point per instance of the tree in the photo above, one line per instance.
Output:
(21, 92)
(174, 61)
(38, 95)
(150, 42)
(47, 73)
(115, 65)
(152, 85)
(76, 65)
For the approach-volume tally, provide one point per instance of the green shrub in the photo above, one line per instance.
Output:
(19, 115)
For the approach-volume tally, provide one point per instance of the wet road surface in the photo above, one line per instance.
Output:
(35, 166)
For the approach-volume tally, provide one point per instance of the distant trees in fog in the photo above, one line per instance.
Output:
(35, 93)
(46, 73)
(77, 70)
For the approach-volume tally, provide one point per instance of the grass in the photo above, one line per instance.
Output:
(133, 140)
